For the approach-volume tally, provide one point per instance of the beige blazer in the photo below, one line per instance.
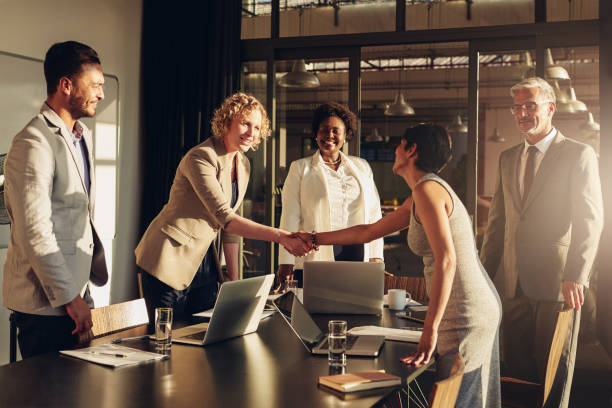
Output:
(177, 239)
(306, 205)
(54, 248)
(554, 235)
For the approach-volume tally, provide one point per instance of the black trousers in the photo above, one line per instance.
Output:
(200, 295)
(39, 334)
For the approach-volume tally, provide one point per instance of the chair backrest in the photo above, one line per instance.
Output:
(113, 318)
(564, 319)
(444, 392)
(414, 285)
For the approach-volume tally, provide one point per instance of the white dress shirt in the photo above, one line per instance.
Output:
(344, 203)
(542, 147)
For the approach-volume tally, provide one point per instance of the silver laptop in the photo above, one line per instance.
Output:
(315, 341)
(344, 287)
(237, 312)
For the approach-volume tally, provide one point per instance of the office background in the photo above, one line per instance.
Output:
(115, 29)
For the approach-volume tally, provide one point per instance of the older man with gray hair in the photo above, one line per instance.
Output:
(545, 222)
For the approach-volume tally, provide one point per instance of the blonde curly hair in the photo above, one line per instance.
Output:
(239, 105)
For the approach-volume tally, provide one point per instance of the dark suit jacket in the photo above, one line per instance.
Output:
(554, 235)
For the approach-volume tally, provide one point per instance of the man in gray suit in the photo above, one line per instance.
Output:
(54, 250)
(545, 222)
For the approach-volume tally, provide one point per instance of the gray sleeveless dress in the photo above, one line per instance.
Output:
(470, 323)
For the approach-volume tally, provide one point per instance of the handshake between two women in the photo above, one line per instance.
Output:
(298, 243)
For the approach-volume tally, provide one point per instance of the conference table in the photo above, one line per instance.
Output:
(268, 368)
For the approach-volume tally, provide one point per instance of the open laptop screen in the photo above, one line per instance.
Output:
(298, 318)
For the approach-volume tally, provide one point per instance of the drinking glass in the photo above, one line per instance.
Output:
(163, 328)
(337, 343)
(291, 285)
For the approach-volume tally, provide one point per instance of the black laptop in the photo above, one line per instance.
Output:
(315, 341)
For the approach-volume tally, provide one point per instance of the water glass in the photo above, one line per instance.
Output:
(337, 343)
(291, 285)
(163, 328)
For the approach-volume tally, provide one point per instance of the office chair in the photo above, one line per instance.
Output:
(518, 393)
(117, 317)
(413, 285)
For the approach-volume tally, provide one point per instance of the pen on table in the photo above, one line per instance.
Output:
(119, 340)
(102, 353)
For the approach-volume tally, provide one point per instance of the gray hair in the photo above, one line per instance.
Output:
(547, 92)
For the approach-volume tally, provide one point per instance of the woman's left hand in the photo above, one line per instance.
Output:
(425, 349)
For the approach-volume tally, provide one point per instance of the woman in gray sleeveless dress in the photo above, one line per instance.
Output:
(464, 309)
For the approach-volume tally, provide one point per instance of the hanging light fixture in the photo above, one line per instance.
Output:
(554, 71)
(590, 125)
(375, 136)
(577, 106)
(563, 101)
(526, 67)
(399, 107)
(299, 77)
(457, 126)
(496, 136)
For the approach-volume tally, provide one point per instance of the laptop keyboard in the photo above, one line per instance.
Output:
(350, 342)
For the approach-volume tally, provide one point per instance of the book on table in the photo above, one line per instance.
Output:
(359, 381)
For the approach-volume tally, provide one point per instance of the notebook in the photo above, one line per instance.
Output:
(315, 341)
(344, 287)
(237, 312)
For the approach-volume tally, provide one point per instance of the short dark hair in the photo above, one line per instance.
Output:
(339, 110)
(66, 59)
(433, 146)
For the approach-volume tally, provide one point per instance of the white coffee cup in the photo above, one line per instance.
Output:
(397, 299)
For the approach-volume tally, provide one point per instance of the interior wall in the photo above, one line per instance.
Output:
(113, 29)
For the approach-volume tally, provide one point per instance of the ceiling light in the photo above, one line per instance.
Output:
(399, 107)
(563, 101)
(590, 125)
(554, 71)
(457, 126)
(497, 137)
(577, 106)
(299, 77)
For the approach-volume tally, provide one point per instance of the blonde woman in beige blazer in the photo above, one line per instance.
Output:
(177, 241)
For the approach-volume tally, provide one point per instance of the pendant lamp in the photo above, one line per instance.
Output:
(457, 126)
(554, 71)
(526, 65)
(399, 107)
(563, 102)
(497, 137)
(299, 77)
(577, 106)
(590, 125)
(375, 136)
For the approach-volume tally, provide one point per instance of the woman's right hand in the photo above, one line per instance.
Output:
(425, 349)
(284, 272)
(295, 245)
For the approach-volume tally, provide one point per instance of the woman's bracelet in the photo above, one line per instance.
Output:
(313, 237)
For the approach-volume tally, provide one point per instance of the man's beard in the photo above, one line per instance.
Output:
(77, 107)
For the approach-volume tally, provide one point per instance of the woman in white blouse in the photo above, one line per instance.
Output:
(329, 191)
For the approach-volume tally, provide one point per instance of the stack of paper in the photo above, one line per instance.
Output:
(114, 355)
(412, 336)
